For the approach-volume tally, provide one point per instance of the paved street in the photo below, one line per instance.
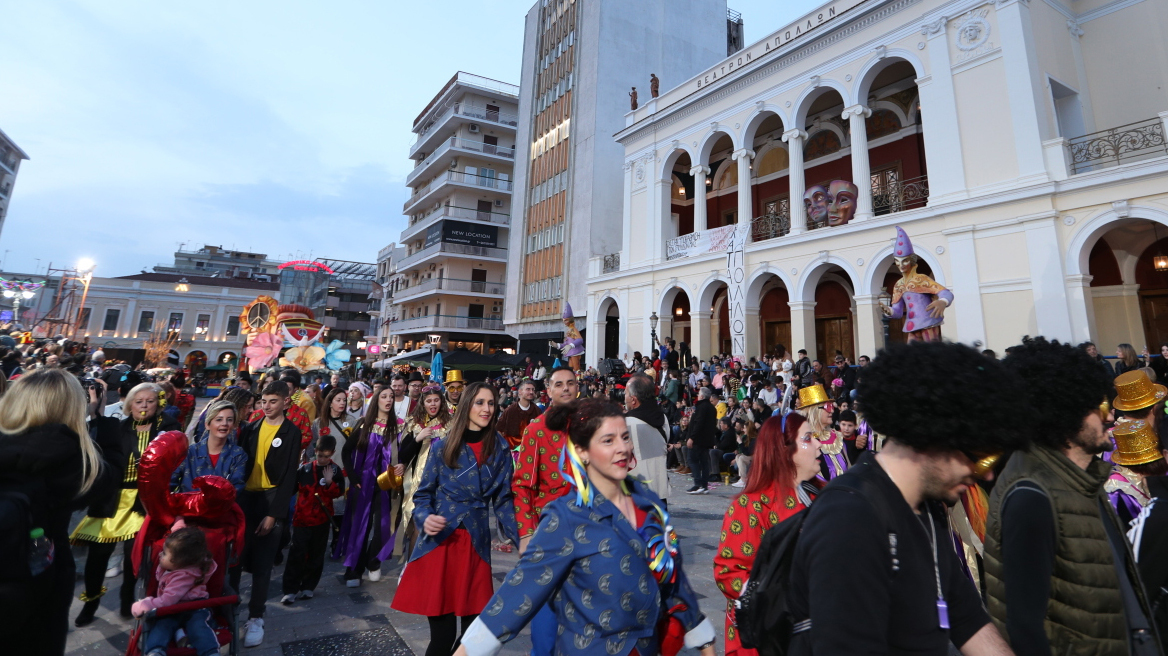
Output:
(341, 620)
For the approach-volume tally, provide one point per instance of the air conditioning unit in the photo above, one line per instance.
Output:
(474, 128)
(498, 202)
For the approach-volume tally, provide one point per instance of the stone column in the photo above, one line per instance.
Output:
(699, 173)
(1023, 84)
(869, 328)
(1048, 283)
(794, 139)
(699, 334)
(753, 332)
(856, 116)
(1082, 307)
(745, 198)
(803, 327)
(965, 284)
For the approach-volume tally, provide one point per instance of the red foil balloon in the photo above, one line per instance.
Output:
(162, 456)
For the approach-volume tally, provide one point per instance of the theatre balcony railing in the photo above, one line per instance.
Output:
(611, 263)
(775, 223)
(893, 196)
(1115, 146)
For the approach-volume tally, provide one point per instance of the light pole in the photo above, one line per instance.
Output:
(18, 290)
(653, 329)
(885, 312)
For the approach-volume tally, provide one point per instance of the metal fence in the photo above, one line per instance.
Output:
(1112, 147)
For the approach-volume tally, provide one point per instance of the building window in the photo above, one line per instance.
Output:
(175, 323)
(233, 326)
(202, 325)
(111, 319)
(83, 320)
(146, 321)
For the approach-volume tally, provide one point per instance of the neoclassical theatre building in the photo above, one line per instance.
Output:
(1019, 143)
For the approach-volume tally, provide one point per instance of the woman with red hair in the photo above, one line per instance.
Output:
(781, 482)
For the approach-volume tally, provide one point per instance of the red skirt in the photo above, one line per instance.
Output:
(452, 578)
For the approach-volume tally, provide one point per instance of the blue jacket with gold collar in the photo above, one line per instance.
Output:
(461, 496)
(591, 564)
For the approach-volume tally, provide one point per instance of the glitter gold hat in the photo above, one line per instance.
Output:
(454, 376)
(813, 395)
(1135, 444)
(1136, 391)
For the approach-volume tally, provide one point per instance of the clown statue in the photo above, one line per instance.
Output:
(573, 346)
(919, 299)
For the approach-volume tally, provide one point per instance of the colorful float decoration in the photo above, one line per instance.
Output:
(271, 328)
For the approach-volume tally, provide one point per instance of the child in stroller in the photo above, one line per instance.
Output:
(183, 569)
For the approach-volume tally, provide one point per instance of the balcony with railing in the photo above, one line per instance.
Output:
(475, 180)
(448, 322)
(456, 145)
(421, 221)
(464, 111)
(433, 285)
(611, 263)
(1119, 145)
(452, 249)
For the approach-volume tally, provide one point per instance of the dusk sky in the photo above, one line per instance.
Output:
(276, 127)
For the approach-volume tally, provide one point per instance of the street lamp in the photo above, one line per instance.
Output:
(653, 328)
(18, 290)
(885, 312)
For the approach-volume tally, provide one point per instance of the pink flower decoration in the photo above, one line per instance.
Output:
(263, 350)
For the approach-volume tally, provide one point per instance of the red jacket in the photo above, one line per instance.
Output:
(537, 480)
(314, 502)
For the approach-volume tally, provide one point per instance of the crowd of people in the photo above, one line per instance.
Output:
(933, 498)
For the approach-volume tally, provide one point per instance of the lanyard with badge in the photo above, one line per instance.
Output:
(942, 607)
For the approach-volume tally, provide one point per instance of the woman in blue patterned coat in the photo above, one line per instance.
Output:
(605, 558)
(448, 577)
(216, 454)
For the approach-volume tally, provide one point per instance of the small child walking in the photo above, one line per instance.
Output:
(183, 570)
(319, 482)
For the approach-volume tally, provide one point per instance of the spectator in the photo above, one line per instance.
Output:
(649, 433)
(746, 434)
(318, 483)
(700, 438)
(1127, 360)
(216, 454)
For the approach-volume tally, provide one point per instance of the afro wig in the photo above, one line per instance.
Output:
(936, 396)
(1063, 385)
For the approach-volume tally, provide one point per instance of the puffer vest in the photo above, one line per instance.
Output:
(1085, 612)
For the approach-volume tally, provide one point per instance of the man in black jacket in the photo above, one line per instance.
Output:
(272, 445)
(874, 568)
(1149, 537)
(703, 426)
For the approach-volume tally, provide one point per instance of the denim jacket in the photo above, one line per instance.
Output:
(591, 565)
(232, 464)
(462, 495)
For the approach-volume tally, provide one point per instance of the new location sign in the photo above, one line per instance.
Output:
(460, 232)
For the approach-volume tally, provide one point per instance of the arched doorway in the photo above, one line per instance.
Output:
(1128, 296)
(834, 323)
(774, 316)
(612, 345)
(195, 361)
(679, 323)
(721, 195)
(228, 358)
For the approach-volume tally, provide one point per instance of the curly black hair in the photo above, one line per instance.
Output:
(937, 396)
(1081, 386)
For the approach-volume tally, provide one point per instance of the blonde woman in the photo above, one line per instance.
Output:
(427, 423)
(815, 407)
(1128, 359)
(46, 452)
(117, 518)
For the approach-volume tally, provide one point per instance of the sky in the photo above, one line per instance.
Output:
(273, 127)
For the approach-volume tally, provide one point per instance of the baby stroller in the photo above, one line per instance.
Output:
(213, 509)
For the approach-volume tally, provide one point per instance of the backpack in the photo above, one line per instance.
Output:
(764, 621)
(20, 501)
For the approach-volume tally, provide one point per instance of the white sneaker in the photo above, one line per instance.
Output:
(304, 594)
(374, 575)
(288, 599)
(353, 583)
(739, 484)
(253, 632)
(113, 571)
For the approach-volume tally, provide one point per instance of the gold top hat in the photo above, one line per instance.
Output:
(813, 395)
(454, 376)
(1136, 391)
(1135, 444)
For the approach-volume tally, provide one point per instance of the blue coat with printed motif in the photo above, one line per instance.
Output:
(462, 496)
(591, 564)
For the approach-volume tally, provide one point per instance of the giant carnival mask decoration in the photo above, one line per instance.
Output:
(841, 206)
(271, 328)
(815, 202)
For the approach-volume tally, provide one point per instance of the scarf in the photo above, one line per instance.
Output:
(650, 414)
